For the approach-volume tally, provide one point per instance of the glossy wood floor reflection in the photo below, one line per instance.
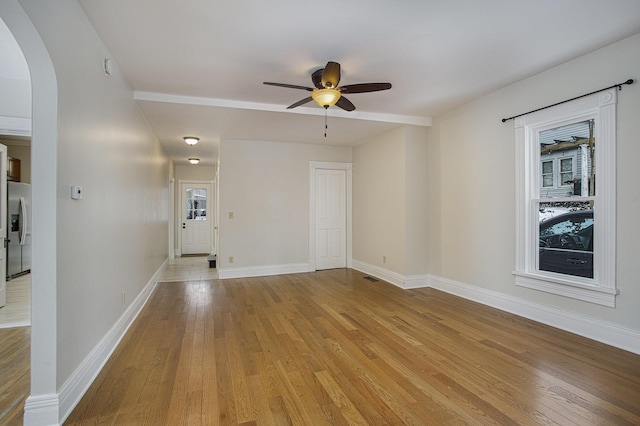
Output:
(331, 348)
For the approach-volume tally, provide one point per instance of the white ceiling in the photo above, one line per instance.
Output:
(197, 66)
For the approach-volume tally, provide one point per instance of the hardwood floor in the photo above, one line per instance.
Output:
(17, 310)
(333, 348)
(15, 356)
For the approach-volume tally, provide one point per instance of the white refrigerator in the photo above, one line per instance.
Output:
(18, 229)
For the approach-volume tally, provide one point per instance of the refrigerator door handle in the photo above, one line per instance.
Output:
(23, 221)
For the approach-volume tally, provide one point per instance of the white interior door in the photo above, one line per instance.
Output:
(331, 219)
(197, 221)
(3, 225)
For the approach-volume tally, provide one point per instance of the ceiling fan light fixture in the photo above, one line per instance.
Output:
(326, 97)
(194, 160)
(191, 140)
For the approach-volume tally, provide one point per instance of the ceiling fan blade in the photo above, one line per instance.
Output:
(300, 102)
(345, 104)
(290, 86)
(365, 87)
(331, 75)
(316, 78)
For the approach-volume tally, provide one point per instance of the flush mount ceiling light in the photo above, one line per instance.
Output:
(194, 160)
(191, 140)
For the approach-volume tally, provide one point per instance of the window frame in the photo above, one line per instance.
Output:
(571, 158)
(552, 174)
(601, 289)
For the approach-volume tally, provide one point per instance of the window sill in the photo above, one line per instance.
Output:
(568, 288)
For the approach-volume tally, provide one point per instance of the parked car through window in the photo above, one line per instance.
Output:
(566, 244)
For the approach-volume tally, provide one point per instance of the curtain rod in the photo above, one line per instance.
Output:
(619, 86)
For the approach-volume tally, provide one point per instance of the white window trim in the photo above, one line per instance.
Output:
(602, 288)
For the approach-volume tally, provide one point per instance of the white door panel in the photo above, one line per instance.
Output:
(196, 226)
(331, 219)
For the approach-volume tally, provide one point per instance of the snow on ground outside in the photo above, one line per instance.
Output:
(552, 212)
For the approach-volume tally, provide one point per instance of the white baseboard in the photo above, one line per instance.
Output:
(402, 281)
(75, 387)
(601, 331)
(41, 410)
(262, 271)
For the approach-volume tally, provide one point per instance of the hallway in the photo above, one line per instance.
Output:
(189, 268)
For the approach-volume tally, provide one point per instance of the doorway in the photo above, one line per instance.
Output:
(42, 406)
(196, 217)
(329, 215)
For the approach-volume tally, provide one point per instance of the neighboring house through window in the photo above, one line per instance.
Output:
(565, 225)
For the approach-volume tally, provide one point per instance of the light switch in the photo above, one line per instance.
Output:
(76, 192)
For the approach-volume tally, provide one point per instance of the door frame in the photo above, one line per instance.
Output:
(172, 220)
(210, 208)
(43, 404)
(3, 224)
(324, 165)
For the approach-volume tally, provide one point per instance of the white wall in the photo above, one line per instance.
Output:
(416, 202)
(194, 172)
(379, 209)
(266, 186)
(390, 202)
(114, 240)
(471, 180)
(15, 86)
(16, 97)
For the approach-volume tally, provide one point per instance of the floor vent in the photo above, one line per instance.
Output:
(373, 280)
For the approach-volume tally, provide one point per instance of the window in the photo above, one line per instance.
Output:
(547, 174)
(196, 204)
(565, 224)
(566, 171)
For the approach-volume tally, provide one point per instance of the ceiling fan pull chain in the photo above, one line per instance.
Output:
(325, 121)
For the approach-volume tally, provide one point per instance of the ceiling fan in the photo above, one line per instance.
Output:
(327, 93)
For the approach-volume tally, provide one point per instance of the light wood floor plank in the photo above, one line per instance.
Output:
(330, 348)
(15, 357)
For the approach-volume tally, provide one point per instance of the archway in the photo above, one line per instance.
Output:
(42, 406)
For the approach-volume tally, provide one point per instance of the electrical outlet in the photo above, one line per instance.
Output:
(124, 298)
(230, 259)
(230, 215)
(384, 259)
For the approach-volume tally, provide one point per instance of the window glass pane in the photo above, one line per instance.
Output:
(547, 174)
(196, 199)
(570, 149)
(566, 238)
